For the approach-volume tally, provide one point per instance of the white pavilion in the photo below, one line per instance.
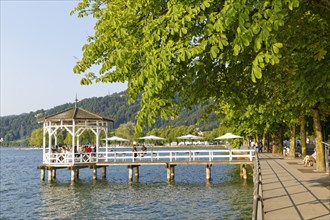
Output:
(75, 121)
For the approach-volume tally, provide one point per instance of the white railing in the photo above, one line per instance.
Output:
(149, 156)
(177, 155)
(69, 158)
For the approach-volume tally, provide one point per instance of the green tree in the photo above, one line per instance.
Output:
(36, 137)
(167, 48)
(181, 53)
(126, 131)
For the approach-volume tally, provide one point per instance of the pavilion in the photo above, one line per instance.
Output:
(75, 121)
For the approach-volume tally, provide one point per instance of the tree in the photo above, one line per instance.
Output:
(126, 131)
(167, 48)
(181, 53)
(36, 137)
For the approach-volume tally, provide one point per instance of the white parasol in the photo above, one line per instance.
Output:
(228, 136)
(152, 137)
(115, 138)
(189, 137)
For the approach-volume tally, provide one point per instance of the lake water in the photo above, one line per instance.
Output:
(24, 196)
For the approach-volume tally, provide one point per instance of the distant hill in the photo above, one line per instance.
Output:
(115, 106)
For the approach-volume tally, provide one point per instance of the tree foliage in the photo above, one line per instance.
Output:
(168, 47)
(259, 64)
(36, 137)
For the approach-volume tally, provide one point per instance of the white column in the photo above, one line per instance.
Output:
(73, 138)
(49, 137)
(55, 136)
(106, 130)
(44, 142)
(97, 140)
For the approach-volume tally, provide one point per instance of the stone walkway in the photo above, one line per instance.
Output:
(293, 191)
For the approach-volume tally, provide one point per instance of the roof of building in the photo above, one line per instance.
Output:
(76, 113)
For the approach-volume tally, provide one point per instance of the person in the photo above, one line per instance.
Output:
(135, 151)
(309, 160)
(144, 150)
(259, 147)
(88, 149)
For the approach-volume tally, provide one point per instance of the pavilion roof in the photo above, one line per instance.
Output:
(76, 113)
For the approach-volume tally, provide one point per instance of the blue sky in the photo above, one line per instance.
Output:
(40, 42)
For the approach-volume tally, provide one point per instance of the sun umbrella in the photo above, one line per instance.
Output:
(189, 137)
(228, 136)
(152, 137)
(115, 138)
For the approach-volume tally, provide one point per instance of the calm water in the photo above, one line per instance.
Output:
(24, 196)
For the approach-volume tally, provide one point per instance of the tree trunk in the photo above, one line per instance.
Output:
(292, 153)
(320, 163)
(303, 136)
(264, 145)
(277, 143)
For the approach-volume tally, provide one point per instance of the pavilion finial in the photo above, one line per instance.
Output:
(76, 101)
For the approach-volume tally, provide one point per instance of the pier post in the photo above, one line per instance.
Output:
(136, 173)
(77, 173)
(243, 172)
(170, 172)
(104, 172)
(42, 174)
(208, 172)
(130, 173)
(50, 176)
(73, 174)
(54, 174)
(94, 173)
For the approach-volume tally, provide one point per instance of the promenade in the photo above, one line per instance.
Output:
(293, 191)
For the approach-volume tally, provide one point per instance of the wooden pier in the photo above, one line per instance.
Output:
(167, 158)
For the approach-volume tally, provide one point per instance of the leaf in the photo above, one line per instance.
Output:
(257, 72)
(257, 44)
(253, 77)
(278, 45)
(237, 49)
(214, 51)
(255, 29)
(320, 55)
(246, 42)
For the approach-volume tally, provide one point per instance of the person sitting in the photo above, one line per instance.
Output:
(309, 160)
(144, 151)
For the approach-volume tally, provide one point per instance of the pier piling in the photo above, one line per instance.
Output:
(104, 172)
(170, 172)
(243, 171)
(208, 172)
(50, 176)
(73, 174)
(42, 174)
(130, 173)
(133, 169)
(94, 173)
(54, 174)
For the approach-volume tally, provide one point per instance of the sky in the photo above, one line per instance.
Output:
(40, 44)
